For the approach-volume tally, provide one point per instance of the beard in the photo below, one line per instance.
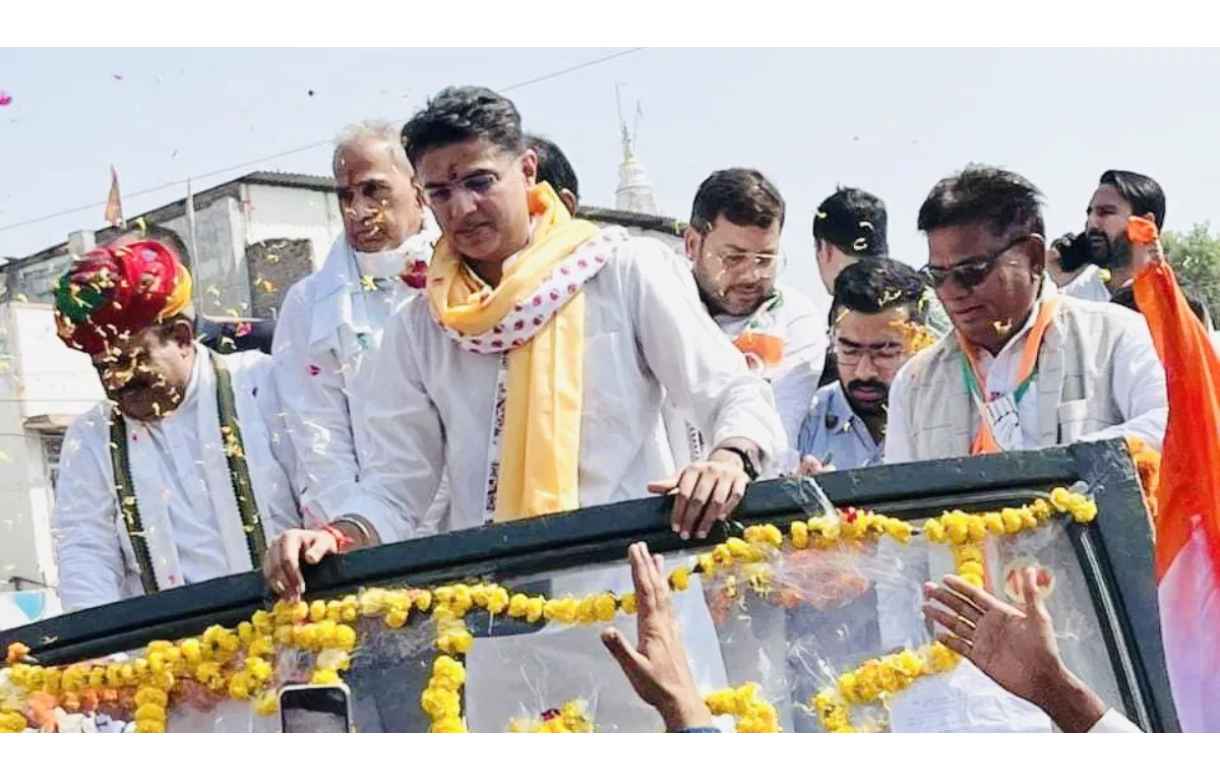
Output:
(867, 408)
(1105, 253)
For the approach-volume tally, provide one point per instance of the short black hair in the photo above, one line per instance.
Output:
(553, 165)
(1005, 201)
(1142, 192)
(457, 114)
(853, 220)
(1125, 296)
(873, 284)
(743, 196)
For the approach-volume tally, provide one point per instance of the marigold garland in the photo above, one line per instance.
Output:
(571, 718)
(751, 712)
(240, 663)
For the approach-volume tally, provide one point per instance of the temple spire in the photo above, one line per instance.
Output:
(634, 191)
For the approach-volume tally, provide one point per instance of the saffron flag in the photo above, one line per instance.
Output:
(114, 204)
(1188, 496)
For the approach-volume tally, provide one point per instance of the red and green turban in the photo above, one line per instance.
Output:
(117, 290)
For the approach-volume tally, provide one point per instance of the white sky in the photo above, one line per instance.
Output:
(892, 121)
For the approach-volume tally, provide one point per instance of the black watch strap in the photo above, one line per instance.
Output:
(747, 463)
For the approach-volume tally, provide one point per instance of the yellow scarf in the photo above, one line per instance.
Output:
(540, 445)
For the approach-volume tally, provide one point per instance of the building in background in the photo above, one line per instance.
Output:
(254, 237)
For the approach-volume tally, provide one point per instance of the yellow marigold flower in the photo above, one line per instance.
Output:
(898, 530)
(397, 600)
(628, 603)
(239, 686)
(51, 680)
(994, 522)
(800, 534)
(349, 613)
(324, 677)
(245, 633)
(267, 704)
(112, 677)
(372, 602)
(497, 599)
(1041, 510)
(908, 663)
(207, 671)
(191, 650)
(423, 600)
(326, 631)
(447, 674)
(517, 605)
(345, 637)
(604, 607)
(973, 579)
(12, 723)
(679, 578)
(260, 670)
(957, 528)
(941, 658)
(934, 531)
(448, 726)
(534, 611)
(440, 703)
(261, 646)
(334, 611)
(739, 548)
(299, 611)
(721, 702)
(971, 569)
(164, 680)
(847, 686)
(1085, 511)
(832, 530)
(443, 595)
(586, 611)
(1061, 498)
(1011, 520)
(460, 642)
(395, 618)
(968, 552)
(97, 677)
(707, 564)
(150, 727)
(977, 529)
(462, 600)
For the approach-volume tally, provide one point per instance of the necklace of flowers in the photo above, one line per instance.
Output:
(240, 664)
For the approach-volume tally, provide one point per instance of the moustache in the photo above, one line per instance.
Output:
(879, 387)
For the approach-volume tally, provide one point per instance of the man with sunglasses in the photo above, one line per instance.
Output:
(533, 369)
(1027, 367)
(733, 243)
(877, 322)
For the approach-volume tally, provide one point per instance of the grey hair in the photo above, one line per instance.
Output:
(373, 130)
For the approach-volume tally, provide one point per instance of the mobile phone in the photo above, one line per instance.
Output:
(315, 709)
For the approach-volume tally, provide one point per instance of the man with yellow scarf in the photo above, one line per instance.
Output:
(533, 370)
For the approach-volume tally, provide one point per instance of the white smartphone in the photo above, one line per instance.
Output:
(315, 709)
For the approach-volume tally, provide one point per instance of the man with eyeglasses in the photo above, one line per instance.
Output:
(1027, 367)
(733, 243)
(877, 322)
(533, 369)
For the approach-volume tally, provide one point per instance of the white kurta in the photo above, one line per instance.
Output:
(1137, 385)
(329, 322)
(182, 483)
(430, 404)
(795, 380)
(1088, 285)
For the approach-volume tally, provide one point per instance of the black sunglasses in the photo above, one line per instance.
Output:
(972, 272)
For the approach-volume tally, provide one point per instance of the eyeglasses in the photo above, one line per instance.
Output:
(887, 355)
(972, 272)
(763, 261)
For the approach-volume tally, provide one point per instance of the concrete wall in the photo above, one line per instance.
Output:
(220, 278)
(39, 378)
(293, 213)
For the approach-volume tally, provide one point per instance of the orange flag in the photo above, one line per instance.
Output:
(1188, 496)
(114, 204)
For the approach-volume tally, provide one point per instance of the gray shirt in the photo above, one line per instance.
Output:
(834, 434)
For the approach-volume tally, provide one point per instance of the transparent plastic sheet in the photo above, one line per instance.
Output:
(844, 606)
(792, 621)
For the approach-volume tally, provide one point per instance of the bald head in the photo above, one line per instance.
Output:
(381, 204)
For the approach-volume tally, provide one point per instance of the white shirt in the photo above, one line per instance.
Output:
(1089, 285)
(835, 435)
(429, 404)
(329, 322)
(1114, 722)
(803, 330)
(182, 487)
(1138, 381)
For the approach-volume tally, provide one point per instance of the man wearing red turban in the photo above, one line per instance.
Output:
(175, 479)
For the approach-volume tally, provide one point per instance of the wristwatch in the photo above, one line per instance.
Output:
(747, 463)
